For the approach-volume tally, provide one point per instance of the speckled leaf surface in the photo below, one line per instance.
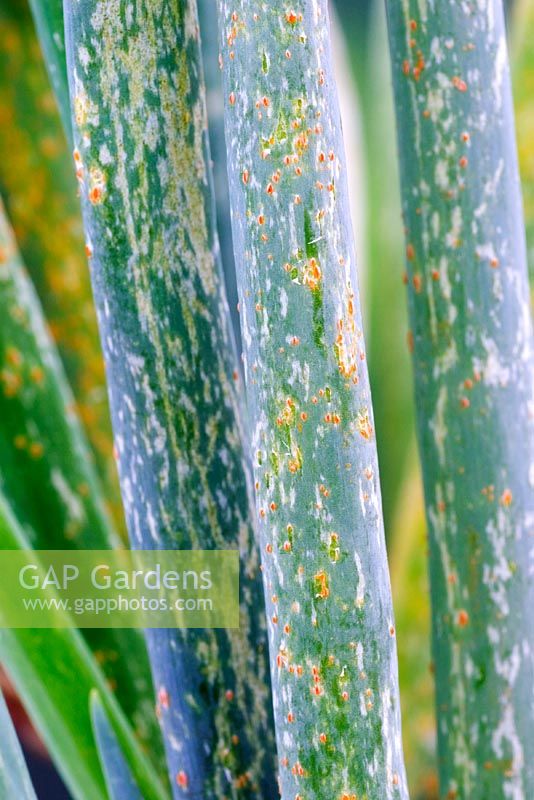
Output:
(39, 191)
(54, 672)
(472, 350)
(14, 778)
(141, 156)
(45, 467)
(331, 630)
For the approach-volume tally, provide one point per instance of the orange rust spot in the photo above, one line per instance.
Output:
(410, 252)
(37, 374)
(364, 425)
(413, 25)
(417, 283)
(410, 341)
(231, 98)
(95, 195)
(506, 498)
(229, 695)
(36, 450)
(244, 176)
(465, 402)
(435, 275)
(463, 162)
(321, 585)
(182, 780)
(163, 698)
(462, 618)
(269, 548)
(323, 738)
(459, 84)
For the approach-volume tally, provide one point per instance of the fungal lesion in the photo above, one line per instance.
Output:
(346, 347)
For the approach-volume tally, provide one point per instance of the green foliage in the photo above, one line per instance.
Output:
(48, 16)
(473, 364)
(54, 671)
(141, 153)
(523, 79)
(39, 191)
(312, 439)
(119, 779)
(46, 471)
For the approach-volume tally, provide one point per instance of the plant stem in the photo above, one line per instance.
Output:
(142, 158)
(39, 191)
(332, 636)
(473, 363)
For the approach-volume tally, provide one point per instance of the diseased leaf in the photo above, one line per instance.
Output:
(332, 642)
(39, 191)
(142, 157)
(46, 472)
(474, 379)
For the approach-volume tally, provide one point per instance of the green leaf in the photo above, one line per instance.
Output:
(14, 778)
(48, 16)
(39, 191)
(119, 780)
(333, 654)
(54, 673)
(523, 80)
(46, 471)
(141, 148)
(474, 377)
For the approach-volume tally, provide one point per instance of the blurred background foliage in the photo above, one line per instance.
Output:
(38, 188)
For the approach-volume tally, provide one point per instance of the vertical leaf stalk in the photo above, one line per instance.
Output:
(14, 778)
(331, 630)
(39, 191)
(473, 363)
(141, 154)
(46, 472)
